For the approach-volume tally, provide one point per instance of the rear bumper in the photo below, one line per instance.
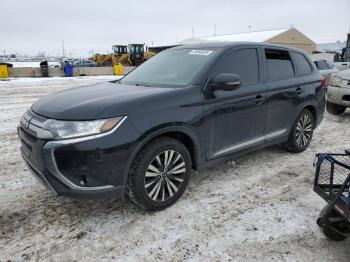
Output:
(338, 95)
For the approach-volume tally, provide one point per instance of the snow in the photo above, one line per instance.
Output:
(260, 207)
(323, 56)
(338, 46)
(32, 64)
(255, 36)
(56, 79)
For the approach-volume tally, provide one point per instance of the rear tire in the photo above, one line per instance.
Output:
(301, 135)
(335, 109)
(108, 63)
(328, 231)
(159, 174)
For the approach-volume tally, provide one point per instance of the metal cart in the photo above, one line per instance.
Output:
(332, 180)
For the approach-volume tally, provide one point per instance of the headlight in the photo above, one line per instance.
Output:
(336, 81)
(72, 129)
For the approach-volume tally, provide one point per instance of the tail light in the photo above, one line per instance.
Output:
(324, 82)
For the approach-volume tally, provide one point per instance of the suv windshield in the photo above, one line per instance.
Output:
(171, 68)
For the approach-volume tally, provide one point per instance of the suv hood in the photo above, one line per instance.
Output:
(88, 102)
(345, 74)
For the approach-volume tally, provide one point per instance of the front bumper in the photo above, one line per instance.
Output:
(89, 168)
(57, 187)
(338, 95)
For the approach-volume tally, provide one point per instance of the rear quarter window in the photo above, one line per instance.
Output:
(322, 65)
(302, 66)
(279, 64)
(329, 66)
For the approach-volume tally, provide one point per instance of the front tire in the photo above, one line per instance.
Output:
(159, 174)
(335, 109)
(301, 134)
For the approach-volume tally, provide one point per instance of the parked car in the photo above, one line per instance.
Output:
(188, 107)
(84, 63)
(54, 64)
(338, 93)
(69, 61)
(325, 69)
(341, 65)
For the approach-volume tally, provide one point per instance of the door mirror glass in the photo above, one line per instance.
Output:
(226, 82)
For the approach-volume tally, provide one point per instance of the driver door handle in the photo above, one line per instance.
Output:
(259, 99)
(299, 91)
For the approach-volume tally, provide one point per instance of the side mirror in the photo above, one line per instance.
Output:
(226, 82)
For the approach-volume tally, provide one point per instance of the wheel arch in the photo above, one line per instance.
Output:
(181, 133)
(313, 111)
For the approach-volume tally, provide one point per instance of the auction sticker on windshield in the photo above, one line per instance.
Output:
(200, 52)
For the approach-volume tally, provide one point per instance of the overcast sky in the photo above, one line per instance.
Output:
(29, 26)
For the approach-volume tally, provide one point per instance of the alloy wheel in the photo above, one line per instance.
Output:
(303, 132)
(165, 175)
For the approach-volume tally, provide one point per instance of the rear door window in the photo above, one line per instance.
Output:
(302, 66)
(279, 64)
(243, 62)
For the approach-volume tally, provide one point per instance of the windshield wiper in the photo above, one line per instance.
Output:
(116, 81)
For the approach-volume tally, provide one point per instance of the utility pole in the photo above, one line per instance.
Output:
(63, 52)
(214, 29)
(249, 27)
(192, 32)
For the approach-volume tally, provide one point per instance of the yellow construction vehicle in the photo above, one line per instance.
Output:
(138, 54)
(120, 55)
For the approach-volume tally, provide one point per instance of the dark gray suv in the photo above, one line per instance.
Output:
(187, 108)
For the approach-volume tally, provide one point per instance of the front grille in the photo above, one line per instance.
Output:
(29, 147)
(33, 126)
(32, 118)
(38, 175)
(36, 119)
(346, 98)
(30, 135)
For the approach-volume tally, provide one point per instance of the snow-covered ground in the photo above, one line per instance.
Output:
(67, 82)
(260, 207)
(33, 64)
